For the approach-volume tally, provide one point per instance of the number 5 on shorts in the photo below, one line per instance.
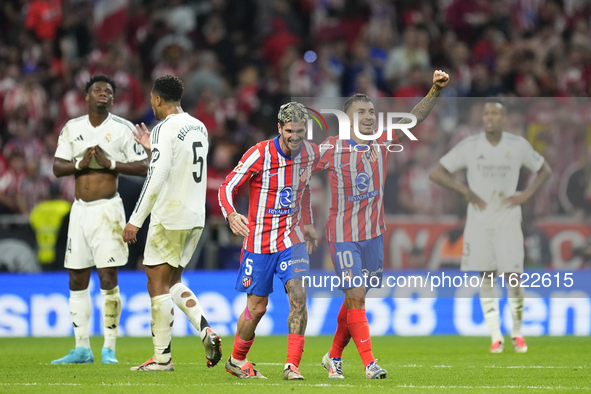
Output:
(248, 269)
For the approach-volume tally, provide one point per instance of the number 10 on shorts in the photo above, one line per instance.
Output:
(345, 259)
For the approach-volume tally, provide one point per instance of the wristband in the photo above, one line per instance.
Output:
(113, 164)
(77, 165)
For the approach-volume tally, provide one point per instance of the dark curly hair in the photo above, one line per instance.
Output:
(356, 97)
(101, 78)
(169, 88)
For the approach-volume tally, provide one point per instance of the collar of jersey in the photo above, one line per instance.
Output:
(104, 121)
(278, 147)
(354, 143)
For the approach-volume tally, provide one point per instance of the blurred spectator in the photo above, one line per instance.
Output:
(24, 141)
(467, 18)
(10, 182)
(575, 188)
(44, 18)
(206, 76)
(33, 188)
(418, 195)
(3, 160)
(73, 103)
(277, 43)
(414, 85)
(409, 55)
(27, 100)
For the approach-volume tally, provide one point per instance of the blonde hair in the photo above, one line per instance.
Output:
(292, 112)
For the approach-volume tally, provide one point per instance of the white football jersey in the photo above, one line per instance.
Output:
(174, 190)
(493, 173)
(114, 136)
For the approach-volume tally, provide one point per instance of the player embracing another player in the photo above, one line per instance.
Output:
(355, 225)
(278, 232)
(493, 239)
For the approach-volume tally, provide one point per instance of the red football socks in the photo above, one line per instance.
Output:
(341, 335)
(359, 329)
(295, 348)
(241, 348)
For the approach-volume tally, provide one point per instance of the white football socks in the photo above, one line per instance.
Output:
(515, 300)
(162, 320)
(80, 307)
(111, 315)
(490, 308)
(186, 300)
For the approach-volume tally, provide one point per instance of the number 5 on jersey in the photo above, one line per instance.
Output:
(197, 175)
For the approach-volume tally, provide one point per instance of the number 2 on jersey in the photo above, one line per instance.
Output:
(197, 159)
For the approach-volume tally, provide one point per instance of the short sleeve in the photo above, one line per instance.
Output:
(64, 148)
(530, 158)
(455, 159)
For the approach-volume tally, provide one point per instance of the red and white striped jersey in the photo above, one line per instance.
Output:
(356, 174)
(279, 201)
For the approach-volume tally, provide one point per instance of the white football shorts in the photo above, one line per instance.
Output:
(174, 247)
(95, 234)
(499, 250)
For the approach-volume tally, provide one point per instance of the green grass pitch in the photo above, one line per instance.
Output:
(447, 364)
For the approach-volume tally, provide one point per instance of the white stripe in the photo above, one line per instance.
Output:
(353, 172)
(368, 167)
(249, 162)
(381, 163)
(341, 198)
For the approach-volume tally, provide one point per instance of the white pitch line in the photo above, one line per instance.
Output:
(411, 386)
(259, 383)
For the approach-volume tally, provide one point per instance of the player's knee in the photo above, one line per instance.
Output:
(258, 310)
(108, 281)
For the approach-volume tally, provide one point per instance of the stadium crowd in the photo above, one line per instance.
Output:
(241, 59)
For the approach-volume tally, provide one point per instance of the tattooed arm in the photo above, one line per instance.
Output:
(422, 109)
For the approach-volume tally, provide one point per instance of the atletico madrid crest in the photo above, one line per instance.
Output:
(372, 155)
(304, 174)
(246, 281)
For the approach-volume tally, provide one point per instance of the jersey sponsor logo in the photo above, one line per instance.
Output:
(246, 281)
(79, 138)
(344, 165)
(372, 273)
(138, 149)
(285, 196)
(300, 270)
(300, 261)
(270, 175)
(286, 211)
(239, 166)
(155, 155)
(363, 196)
(362, 181)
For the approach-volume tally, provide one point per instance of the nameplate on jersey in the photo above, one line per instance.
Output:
(185, 130)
